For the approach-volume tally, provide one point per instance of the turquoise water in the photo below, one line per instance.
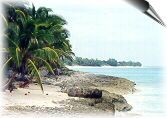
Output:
(149, 98)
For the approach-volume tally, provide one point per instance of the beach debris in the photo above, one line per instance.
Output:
(25, 94)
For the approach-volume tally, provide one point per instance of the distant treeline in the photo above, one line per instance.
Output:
(95, 62)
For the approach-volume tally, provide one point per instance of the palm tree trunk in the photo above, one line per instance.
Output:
(23, 70)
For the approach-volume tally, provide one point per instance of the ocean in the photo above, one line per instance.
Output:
(148, 101)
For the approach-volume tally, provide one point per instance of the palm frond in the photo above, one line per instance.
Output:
(33, 11)
(5, 20)
(17, 56)
(6, 63)
(48, 66)
(21, 13)
(35, 72)
(46, 53)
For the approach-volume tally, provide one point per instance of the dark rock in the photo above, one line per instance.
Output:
(91, 104)
(84, 92)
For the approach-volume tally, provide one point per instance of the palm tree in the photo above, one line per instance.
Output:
(35, 38)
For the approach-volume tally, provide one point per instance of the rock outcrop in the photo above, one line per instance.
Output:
(100, 99)
(95, 92)
(84, 92)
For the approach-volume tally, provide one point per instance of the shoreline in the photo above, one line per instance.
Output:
(56, 97)
(77, 66)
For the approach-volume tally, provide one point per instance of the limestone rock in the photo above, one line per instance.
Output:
(84, 92)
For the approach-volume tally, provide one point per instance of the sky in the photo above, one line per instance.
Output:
(103, 29)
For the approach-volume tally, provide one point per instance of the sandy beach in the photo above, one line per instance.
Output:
(55, 100)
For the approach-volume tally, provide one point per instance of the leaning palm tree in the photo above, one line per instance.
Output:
(33, 38)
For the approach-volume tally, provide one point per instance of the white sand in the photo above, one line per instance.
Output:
(35, 97)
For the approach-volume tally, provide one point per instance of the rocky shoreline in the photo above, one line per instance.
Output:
(79, 84)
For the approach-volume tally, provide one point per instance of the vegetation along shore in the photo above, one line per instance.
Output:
(96, 62)
(35, 76)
